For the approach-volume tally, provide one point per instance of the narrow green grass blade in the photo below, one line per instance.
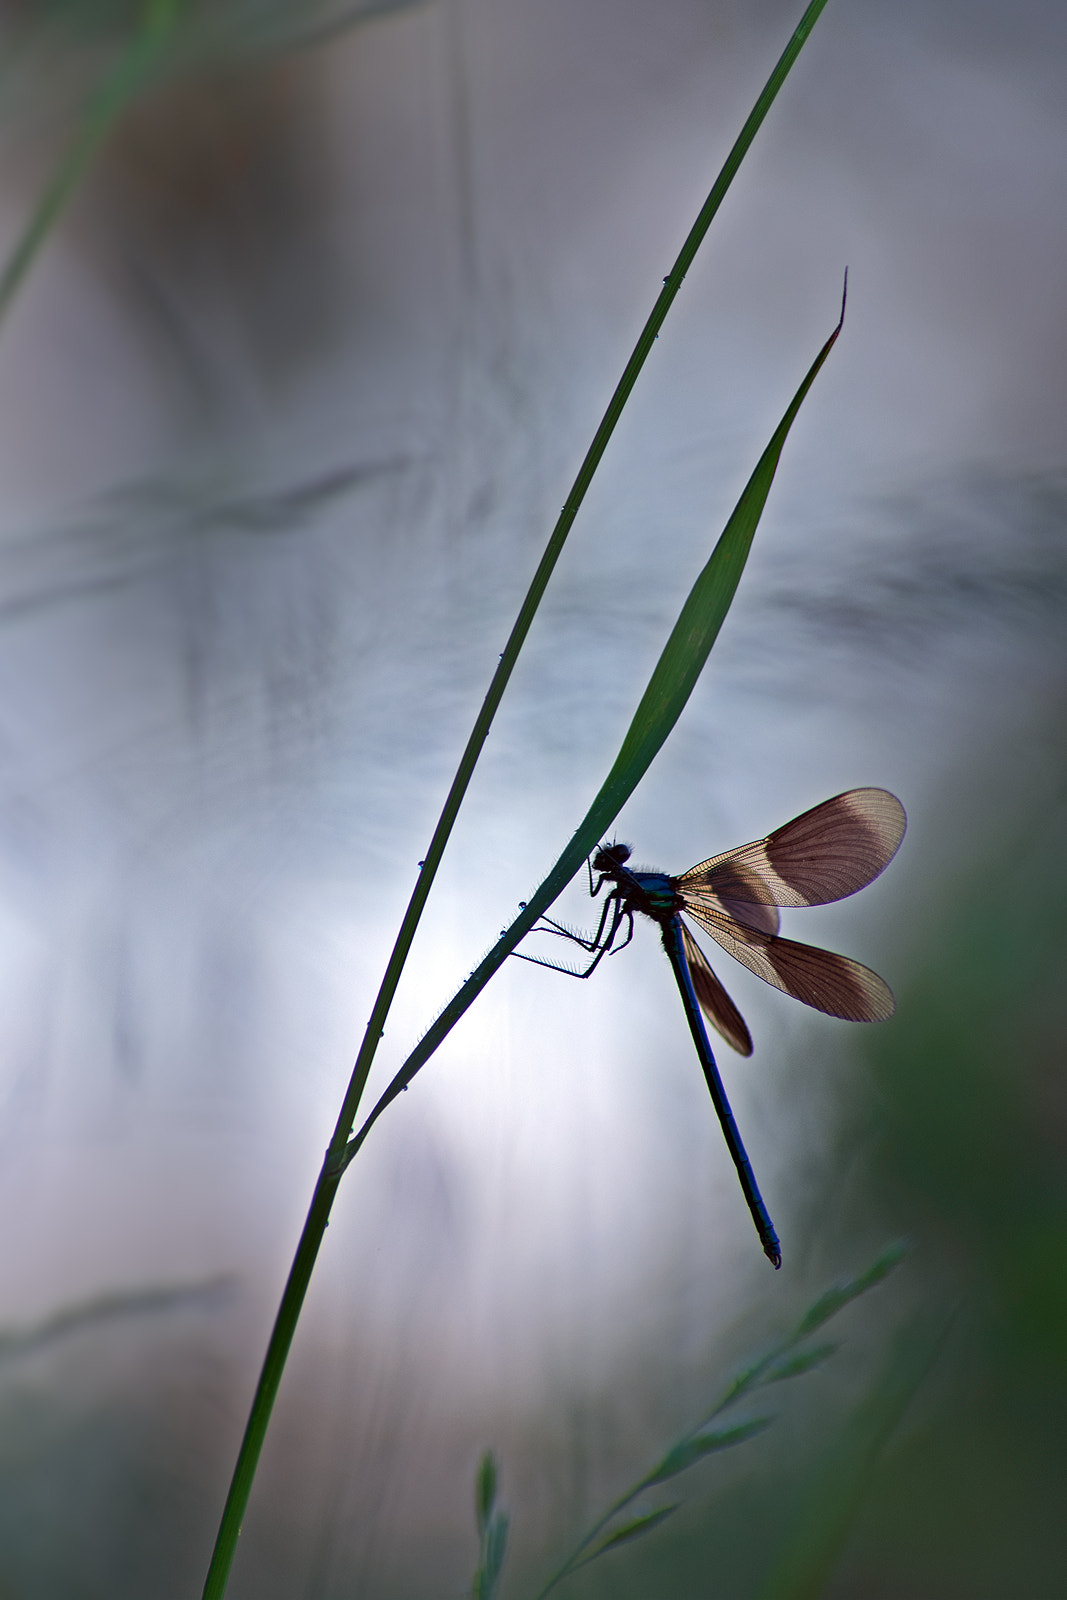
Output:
(494, 1548)
(697, 628)
(830, 1303)
(777, 1364)
(662, 703)
(134, 68)
(796, 1366)
(636, 1529)
(690, 1451)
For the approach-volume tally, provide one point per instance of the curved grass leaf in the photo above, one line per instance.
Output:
(690, 1451)
(484, 1492)
(804, 1361)
(635, 1529)
(829, 1304)
(672, 682)
(108, 1307)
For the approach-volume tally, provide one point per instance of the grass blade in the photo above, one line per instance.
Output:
(690, 1451)
(805, 1361)
(672, 682)
(830, 1303)
(133, 69)
(634, 1529)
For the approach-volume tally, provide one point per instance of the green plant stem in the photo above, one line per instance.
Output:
(270, 1377)
(106, 106)
(340, 1151)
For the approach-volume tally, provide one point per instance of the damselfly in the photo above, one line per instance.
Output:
(824, 855)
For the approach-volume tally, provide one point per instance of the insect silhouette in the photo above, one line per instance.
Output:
(826, 854)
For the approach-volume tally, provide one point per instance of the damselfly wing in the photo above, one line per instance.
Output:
(826, 854)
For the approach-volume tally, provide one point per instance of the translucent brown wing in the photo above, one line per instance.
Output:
(714, 1001)
(762, 917)
(829, 982)
(826, 854)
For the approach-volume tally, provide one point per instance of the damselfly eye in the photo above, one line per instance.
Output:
(610, 855)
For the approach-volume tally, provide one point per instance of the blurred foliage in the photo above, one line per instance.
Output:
(219, 29)
(204, 134)
(972, 1085)
(942, 1476)
(492, 1525)
(790, 1357)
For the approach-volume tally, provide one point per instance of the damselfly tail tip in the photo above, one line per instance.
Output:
(773, 1254)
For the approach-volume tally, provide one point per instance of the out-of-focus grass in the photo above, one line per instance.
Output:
(972, 1085)
(208, 27)
(107, 55)
(944, 1476)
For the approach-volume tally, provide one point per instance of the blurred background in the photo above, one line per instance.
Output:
(288, 405)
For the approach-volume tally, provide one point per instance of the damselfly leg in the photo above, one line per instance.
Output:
(601, 943)
(614, 913)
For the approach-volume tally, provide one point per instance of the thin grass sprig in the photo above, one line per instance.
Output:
(789, 1358)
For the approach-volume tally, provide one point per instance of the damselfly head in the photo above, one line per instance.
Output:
(611, 855)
